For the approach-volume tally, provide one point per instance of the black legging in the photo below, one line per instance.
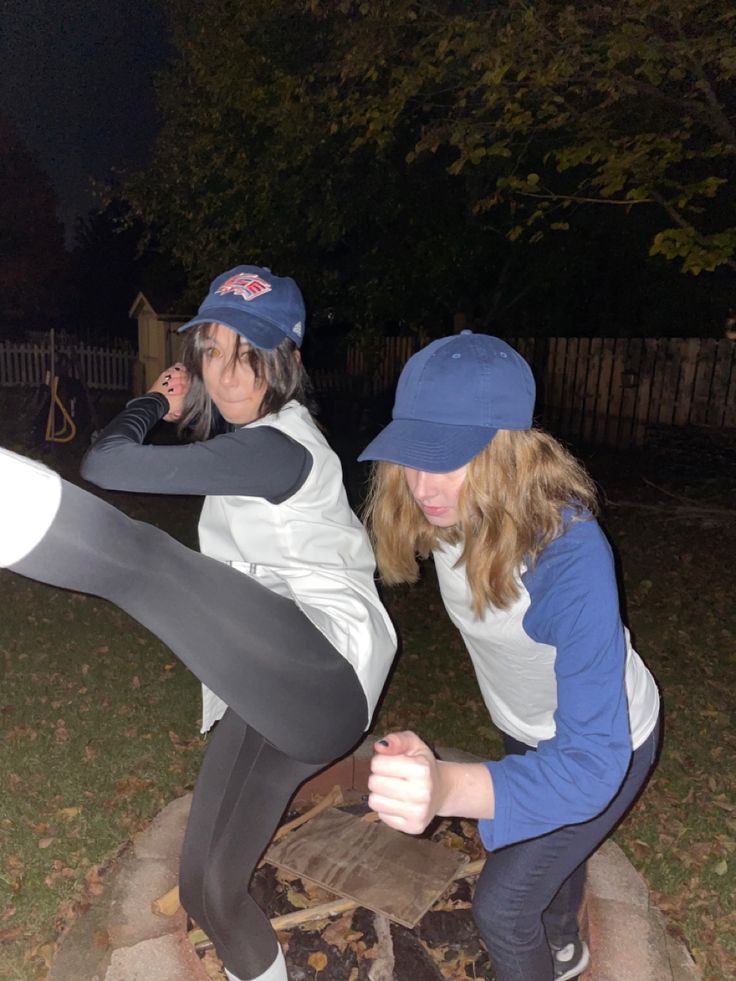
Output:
(242, 790)
(296, 703)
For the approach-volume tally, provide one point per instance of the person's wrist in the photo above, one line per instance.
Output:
(161, 401)
(445, 779)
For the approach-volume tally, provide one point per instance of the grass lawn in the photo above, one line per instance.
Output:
(98, 723)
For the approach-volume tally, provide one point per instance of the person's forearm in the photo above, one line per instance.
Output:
(113, 460)
(256, 462)
(465, 790)
(133, 424)
(409, 787)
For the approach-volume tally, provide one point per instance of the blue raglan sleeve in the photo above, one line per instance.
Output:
(573, 776)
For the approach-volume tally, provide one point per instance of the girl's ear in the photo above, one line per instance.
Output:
(297, 355)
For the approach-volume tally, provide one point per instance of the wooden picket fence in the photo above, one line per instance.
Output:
(100, 368)
(613, 391)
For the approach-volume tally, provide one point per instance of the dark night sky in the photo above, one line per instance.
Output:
(76, 76)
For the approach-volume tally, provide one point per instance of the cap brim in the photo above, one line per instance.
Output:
(430, 446)
(260, 333)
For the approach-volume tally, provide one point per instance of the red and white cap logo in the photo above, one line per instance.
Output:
(246, 285)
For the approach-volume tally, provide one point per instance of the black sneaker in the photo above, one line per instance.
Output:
(571, 960)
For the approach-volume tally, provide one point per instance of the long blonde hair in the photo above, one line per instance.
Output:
(511, 507)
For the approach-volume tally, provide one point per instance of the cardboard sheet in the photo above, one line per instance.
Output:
(382, 869)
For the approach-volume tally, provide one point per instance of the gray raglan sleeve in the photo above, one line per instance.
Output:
(258, 462)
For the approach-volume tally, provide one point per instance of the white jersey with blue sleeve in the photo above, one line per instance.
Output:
(556, 671)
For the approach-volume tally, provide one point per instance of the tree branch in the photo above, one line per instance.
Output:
(551, 196)
(671, 210)
(721, 121)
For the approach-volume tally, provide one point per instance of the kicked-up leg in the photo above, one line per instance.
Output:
(255, 649)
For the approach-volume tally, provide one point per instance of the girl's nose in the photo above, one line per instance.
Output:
(229, 372)
(423, 486)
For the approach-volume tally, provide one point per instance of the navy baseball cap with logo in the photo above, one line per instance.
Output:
(261, 307)
(452, 398)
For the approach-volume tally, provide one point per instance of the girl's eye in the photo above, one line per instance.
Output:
(212, 352)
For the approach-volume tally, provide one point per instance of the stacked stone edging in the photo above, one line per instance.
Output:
(120, 939)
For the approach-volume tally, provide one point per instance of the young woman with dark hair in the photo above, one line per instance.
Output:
(282, 367)
(527, 577)
(279, 618)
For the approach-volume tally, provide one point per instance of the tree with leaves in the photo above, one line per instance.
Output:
(399, 157)
(553, 106)
(253, 160)
(107, 267)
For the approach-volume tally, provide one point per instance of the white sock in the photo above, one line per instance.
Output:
(276, 972)
(30, 495)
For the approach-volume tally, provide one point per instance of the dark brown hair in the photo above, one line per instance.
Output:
(281, 368)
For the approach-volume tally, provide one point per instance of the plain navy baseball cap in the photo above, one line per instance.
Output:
(452, 398)
(261, 307)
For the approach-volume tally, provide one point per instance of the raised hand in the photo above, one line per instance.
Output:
(173, 383)
(404, 782)
(409, 787)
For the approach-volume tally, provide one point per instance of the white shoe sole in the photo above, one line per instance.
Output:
(577, 969)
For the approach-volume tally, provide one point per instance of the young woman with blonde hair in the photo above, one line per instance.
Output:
(527, 577)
